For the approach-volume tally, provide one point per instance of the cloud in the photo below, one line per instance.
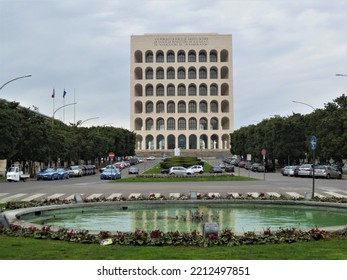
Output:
(282, 51)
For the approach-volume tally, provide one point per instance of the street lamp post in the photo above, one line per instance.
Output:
(61, 108)
(313, 143)
(21, 77)
(313, 108)
(81, 122)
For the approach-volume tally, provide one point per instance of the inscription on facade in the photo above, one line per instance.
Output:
(180, 41)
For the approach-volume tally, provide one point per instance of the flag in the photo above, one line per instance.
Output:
(53, 94)
(64, 93)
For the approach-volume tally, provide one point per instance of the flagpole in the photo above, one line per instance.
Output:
(74, 107)
(64, 106)
(53, 97)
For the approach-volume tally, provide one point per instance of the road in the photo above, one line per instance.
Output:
(93, 187)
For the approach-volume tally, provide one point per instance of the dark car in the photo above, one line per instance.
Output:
(47, 174)
(216, 169)
(257, 167)
(229, 168)
(62, 173)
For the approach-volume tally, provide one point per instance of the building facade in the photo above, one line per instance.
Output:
(181, 92)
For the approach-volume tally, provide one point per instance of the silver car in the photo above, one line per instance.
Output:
(326, 171)
(178, 170)
(305, 170)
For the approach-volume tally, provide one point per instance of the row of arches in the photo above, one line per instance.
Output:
(182, 90)
(161, 124)
(181, 56)
(182, 141)
(181, 73)
(160, 107)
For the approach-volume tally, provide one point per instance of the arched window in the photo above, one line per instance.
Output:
(170, 90)
(181, 142)
(149, 124)
(192, 142)
(192, 56)
(214, 107)
(202, 56)
(181, 57)
(181, 107)
(202, 90)
(181, 74)
(149, 74)
(214, 124)
(171, 142)
(160, 124)
(192, 107)
(203, 124)
(170, 57)
(181, 90)
(160, 142)
(181, 124)
(160, 107)
(171, 74)
(149, 91)
(192, 124)
(213, 56)
(213, 90)
(202, 73)
(160, 90)
(202, 107)
(171, 124)
(160, 74)
(191, 73)
(192, 90)
(213, 73)
(149, 57)
(149, 107)
(170, 107)
(160, 57)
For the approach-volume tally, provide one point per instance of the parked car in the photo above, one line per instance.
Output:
(178, 170)
(305, 170)
(229, 168)
(111, 173)
(133, 170)
(216, 169)
(151, 158)
(47, 174)
(294, 170)
(285, 171)
(62, 173)
(75, 171)
(165, 171)
(257, 167)
(248, 165)
(326, 171)
(195, 169)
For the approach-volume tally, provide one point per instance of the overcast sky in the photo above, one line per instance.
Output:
(283, 50)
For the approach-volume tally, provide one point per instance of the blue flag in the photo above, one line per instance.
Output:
(64, 93)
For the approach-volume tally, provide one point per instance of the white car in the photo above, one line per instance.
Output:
(74, 171)
(178, 170)
(195, 169)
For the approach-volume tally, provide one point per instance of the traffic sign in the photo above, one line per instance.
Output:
(111, 155)
(263, 152)
(313, 142)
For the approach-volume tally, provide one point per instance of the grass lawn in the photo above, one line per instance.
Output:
(17, 248)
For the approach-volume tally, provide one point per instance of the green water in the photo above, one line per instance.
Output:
(186, 217)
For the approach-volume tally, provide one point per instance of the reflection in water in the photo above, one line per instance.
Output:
(190, 217)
